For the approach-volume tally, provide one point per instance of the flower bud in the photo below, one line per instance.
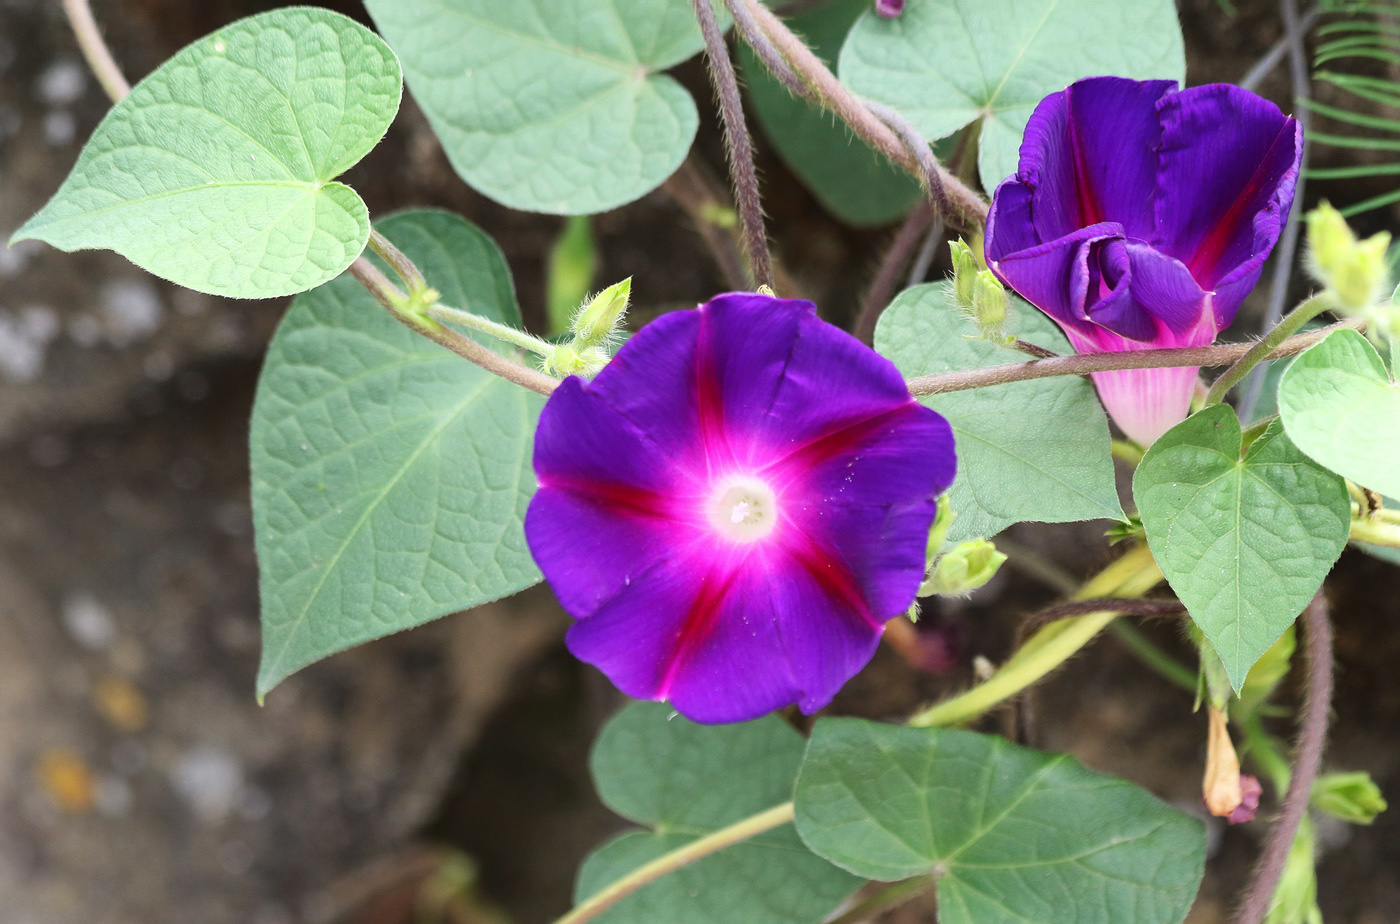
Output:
(1352, 797)
(1221, 788)
(963, 569)
(988, 304)
(1354, 271)
(888, 9)
(569, 359)
(598, 319)
(965, 267)
(938, 532)
(1295, 898)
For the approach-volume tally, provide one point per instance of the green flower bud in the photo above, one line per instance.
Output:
(963, 569)
(988, 305)
(1352, 797)
(1266, 674)
(1354, 271)
(1295, 899)
(599, 318)
(965, 267)
(569, 359)
(938, 532)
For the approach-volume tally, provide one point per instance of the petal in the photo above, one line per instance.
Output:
(589, 550)
(1089, 153)
(882, 548)
(831, 381)
(1054, 277)
(1227, 155)
(1145, 403)
(827, 632)
(581, 437)
(604, 510)
(699, 631)
(662, 355)
(902, 455)
(1159, 294)
(1009, 225)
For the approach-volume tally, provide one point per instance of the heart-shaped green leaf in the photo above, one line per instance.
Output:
(216, 172)
(390, 477)
(853, 182)
(550, 105)
(1035, 450)
(1011, 835)
(949, 63)
(1244, 539)
(1340, 407)
(684, 781)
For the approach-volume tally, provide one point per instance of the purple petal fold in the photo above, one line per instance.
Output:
(1139, 218)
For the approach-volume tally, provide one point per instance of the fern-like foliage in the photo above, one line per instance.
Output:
(1370, 32)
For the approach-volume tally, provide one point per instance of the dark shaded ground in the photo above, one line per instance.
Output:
(139, 782)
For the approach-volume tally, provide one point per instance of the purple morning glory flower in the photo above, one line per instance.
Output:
(735, 506)
(1140, 217)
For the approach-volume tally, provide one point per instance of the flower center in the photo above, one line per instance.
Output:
(743, 509)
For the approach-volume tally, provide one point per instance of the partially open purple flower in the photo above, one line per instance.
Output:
(1140, 217)
(735, 506)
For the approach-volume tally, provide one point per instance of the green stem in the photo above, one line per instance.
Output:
(892, 896)
(1375, 531)
(388, 295)
(1154, 657)
(736, 833)
(1290, 325)
(1130, 576)
(496, 329)
(1261, 748)
(1128, 452)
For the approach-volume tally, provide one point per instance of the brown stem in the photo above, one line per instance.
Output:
(901, 250)
(967, 209)
(1032, 349)
(1221, 355)
(99, 57)
(737, 142)
(388, 295)
(1312, 736)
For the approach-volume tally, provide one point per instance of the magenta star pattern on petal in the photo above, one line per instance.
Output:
(1140, 217)
(734, 507)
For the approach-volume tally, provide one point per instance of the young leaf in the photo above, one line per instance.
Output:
(1036, 450)
(1244, 538)
(217, 171)
(1340, 407)
(550, 106)
(950, 63)
(1010, 834)
(683, 781)
(851, 180)
(390, 477)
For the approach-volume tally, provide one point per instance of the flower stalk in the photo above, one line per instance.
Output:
(1129, 576)
(1267, 346)
(737, 833)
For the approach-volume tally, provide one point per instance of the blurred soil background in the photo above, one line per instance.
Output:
(441, 772)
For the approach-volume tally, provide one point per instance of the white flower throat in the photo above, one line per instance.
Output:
(742, 509)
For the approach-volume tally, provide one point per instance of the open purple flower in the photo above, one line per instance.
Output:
(735, 506)
(1140, 217)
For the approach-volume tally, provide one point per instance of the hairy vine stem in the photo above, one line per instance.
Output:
(766, 33)
(738, 144)
(1220, 355)
(388, 295)
(1312, 736)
